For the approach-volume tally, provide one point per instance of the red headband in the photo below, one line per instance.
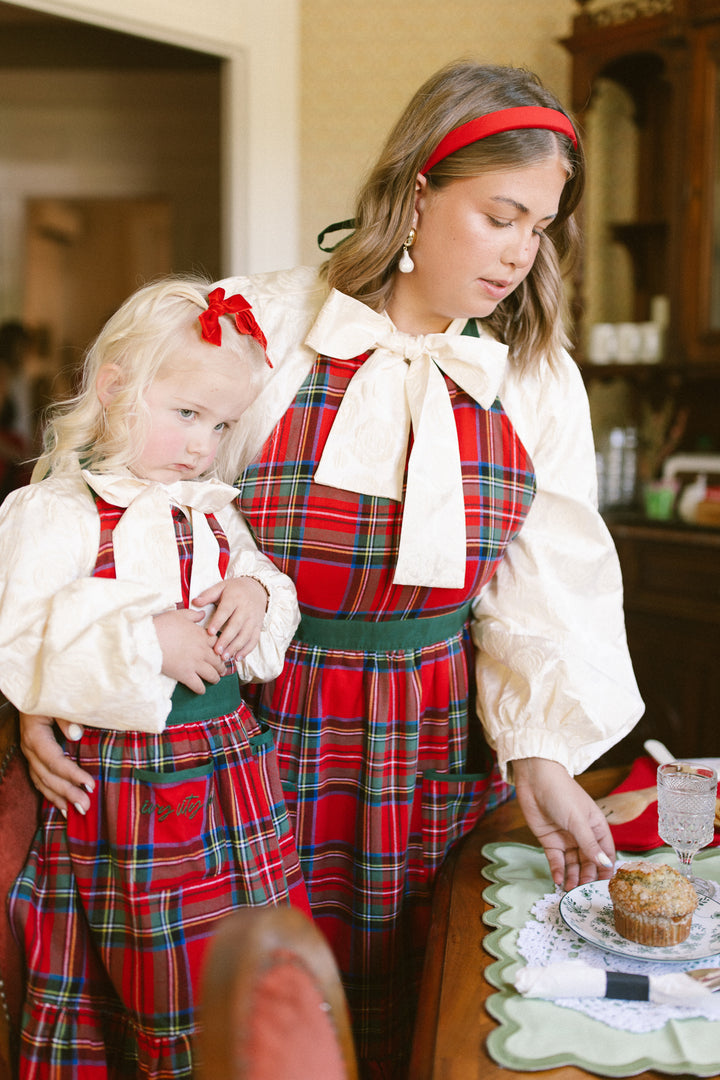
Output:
(244, 319)
(526, 116)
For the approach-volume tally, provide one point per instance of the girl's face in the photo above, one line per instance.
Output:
(192, 403)
(476, 241)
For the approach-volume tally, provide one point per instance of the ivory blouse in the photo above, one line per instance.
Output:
(554, 676)
(84, 648)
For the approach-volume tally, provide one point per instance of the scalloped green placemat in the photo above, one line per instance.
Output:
(535, 1034)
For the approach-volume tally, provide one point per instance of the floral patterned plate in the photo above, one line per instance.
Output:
(588, 911)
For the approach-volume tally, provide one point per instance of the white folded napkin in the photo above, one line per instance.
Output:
(574, 979)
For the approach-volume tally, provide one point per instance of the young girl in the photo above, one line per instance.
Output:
(99, 565)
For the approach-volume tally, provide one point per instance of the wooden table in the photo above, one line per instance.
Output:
(452, 1021)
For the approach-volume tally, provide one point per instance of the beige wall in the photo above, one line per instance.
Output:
(311, 87)
(360, 62)
(257, 41)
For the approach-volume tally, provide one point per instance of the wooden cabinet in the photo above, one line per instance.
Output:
(671, 578)
(664, 54)
(697, 328)
(660, 59)
(644, 59)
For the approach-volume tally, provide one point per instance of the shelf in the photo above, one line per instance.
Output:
(628, 524)
(636, 235)
(673, 373)
(632, 231)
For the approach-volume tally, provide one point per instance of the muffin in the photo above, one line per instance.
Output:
(652, 903)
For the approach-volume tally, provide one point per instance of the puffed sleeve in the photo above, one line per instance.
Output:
(282, 617)
(554, 676)
(73, 646)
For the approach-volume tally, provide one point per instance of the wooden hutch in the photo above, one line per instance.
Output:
(665, 54)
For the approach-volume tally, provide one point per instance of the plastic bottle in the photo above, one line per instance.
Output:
(629, 467)
(614, 467)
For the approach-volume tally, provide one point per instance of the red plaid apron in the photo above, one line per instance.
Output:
(382, 759)
(116, 908)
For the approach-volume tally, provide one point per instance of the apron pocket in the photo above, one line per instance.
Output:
(451, 805)
(174, 827)
(158, 828)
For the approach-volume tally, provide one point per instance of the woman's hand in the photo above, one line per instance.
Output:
(570, 826)
(54, 774)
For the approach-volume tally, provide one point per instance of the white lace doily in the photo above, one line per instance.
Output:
(546, 939)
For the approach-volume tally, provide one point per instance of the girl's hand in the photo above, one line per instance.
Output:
(570, 826)
(54, 774)
(237, 621)
(188, 655)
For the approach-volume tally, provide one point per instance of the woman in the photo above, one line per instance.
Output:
(470, 576)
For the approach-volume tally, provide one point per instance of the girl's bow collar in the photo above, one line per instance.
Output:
(144, 541)
(123, 488)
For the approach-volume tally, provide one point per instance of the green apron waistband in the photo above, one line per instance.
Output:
(359, 635)
(219, 699)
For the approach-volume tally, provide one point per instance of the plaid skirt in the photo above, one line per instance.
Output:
(376, 753)
(116, 908)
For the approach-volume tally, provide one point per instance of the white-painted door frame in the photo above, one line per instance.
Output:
(258, 41)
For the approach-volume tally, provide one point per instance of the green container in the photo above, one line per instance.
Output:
(659, 501)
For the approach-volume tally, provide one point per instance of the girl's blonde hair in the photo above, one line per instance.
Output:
(142, 337)
(531, 319)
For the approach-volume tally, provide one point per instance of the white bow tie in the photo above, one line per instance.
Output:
(399, 386)
(123, 488)
(148, 520)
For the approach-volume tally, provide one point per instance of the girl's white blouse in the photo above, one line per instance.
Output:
(554, 676)
(84, 648)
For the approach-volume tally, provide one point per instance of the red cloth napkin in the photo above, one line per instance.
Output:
(641, 833)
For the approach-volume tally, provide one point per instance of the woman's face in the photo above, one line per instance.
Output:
(476, 240)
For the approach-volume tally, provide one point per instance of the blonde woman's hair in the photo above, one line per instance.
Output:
(143, 336)
(531, 319)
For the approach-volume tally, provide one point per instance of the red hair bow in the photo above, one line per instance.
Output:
(244, 319)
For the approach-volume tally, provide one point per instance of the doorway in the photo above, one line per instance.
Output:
(83, 257)
(101, 187)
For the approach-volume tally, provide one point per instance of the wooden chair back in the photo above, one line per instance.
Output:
(272, 1006)
(19, 818)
